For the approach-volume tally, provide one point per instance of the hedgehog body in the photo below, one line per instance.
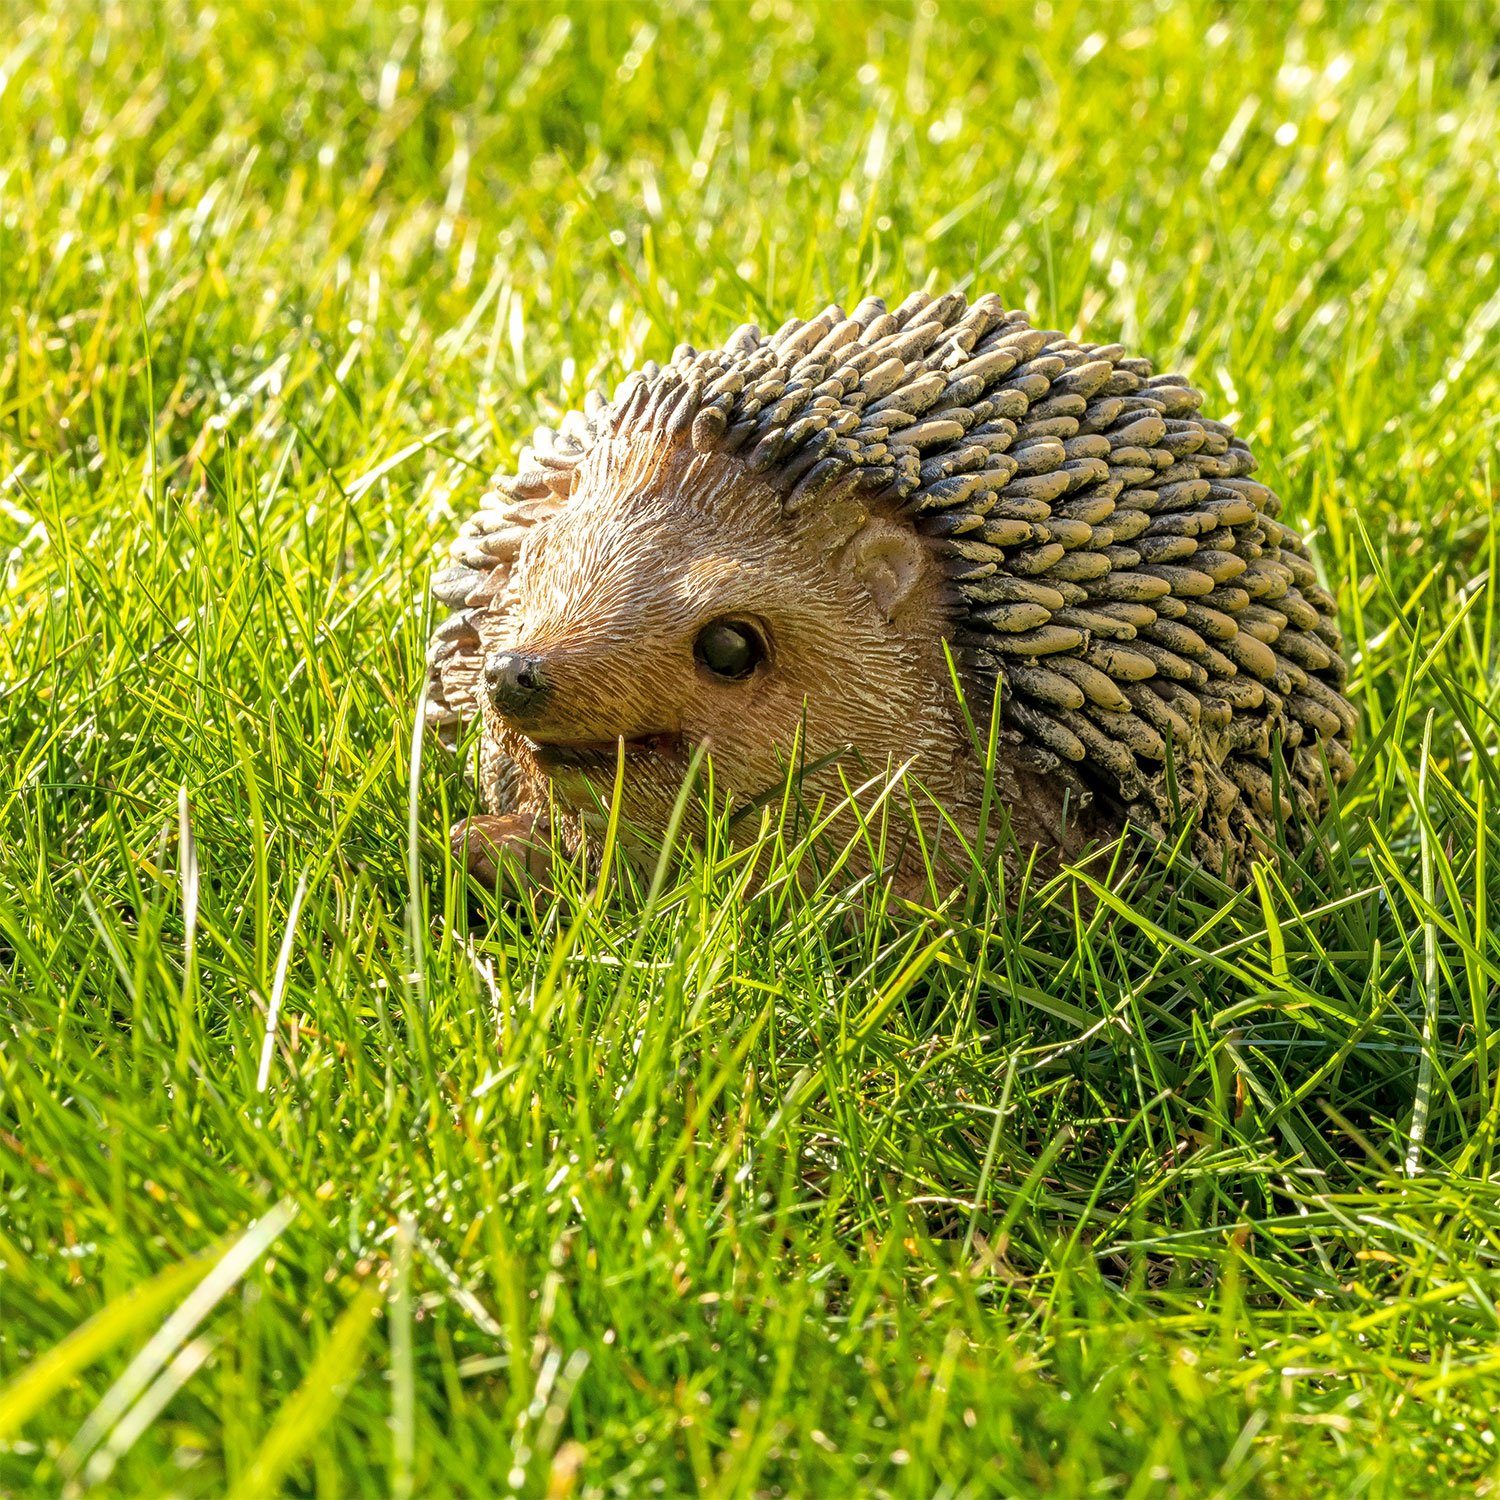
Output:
(1090, 547)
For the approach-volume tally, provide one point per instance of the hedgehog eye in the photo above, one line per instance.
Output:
(730, 649)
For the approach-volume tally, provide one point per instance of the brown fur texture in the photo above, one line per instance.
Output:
(862, 490)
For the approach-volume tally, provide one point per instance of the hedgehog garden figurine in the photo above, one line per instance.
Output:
(776, 547)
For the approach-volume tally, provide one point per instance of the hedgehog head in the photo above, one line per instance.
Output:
(675, 602)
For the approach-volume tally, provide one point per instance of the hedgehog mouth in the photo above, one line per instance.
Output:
(602, 756)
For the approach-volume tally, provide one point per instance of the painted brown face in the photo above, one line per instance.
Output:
(677, 608)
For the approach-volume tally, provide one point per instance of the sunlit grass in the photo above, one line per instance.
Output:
(714, 1176)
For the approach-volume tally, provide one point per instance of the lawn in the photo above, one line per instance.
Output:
(321, 1173)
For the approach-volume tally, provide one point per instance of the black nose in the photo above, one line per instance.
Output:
(516, 682)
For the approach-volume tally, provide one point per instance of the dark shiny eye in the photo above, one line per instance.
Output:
(730, 648)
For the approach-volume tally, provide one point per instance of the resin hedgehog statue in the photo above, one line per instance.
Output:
(770, 548)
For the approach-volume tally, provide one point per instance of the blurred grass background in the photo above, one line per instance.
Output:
(1186, 1193)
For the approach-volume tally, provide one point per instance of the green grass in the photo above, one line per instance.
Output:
(1187, 1191)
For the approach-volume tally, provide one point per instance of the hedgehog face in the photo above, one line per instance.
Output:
(674, 606)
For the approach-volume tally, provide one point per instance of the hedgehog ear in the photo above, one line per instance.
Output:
(889, 561)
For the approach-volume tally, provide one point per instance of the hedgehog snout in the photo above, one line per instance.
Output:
(517, 683)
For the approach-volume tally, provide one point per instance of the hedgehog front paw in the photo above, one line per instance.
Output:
(503, 851)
